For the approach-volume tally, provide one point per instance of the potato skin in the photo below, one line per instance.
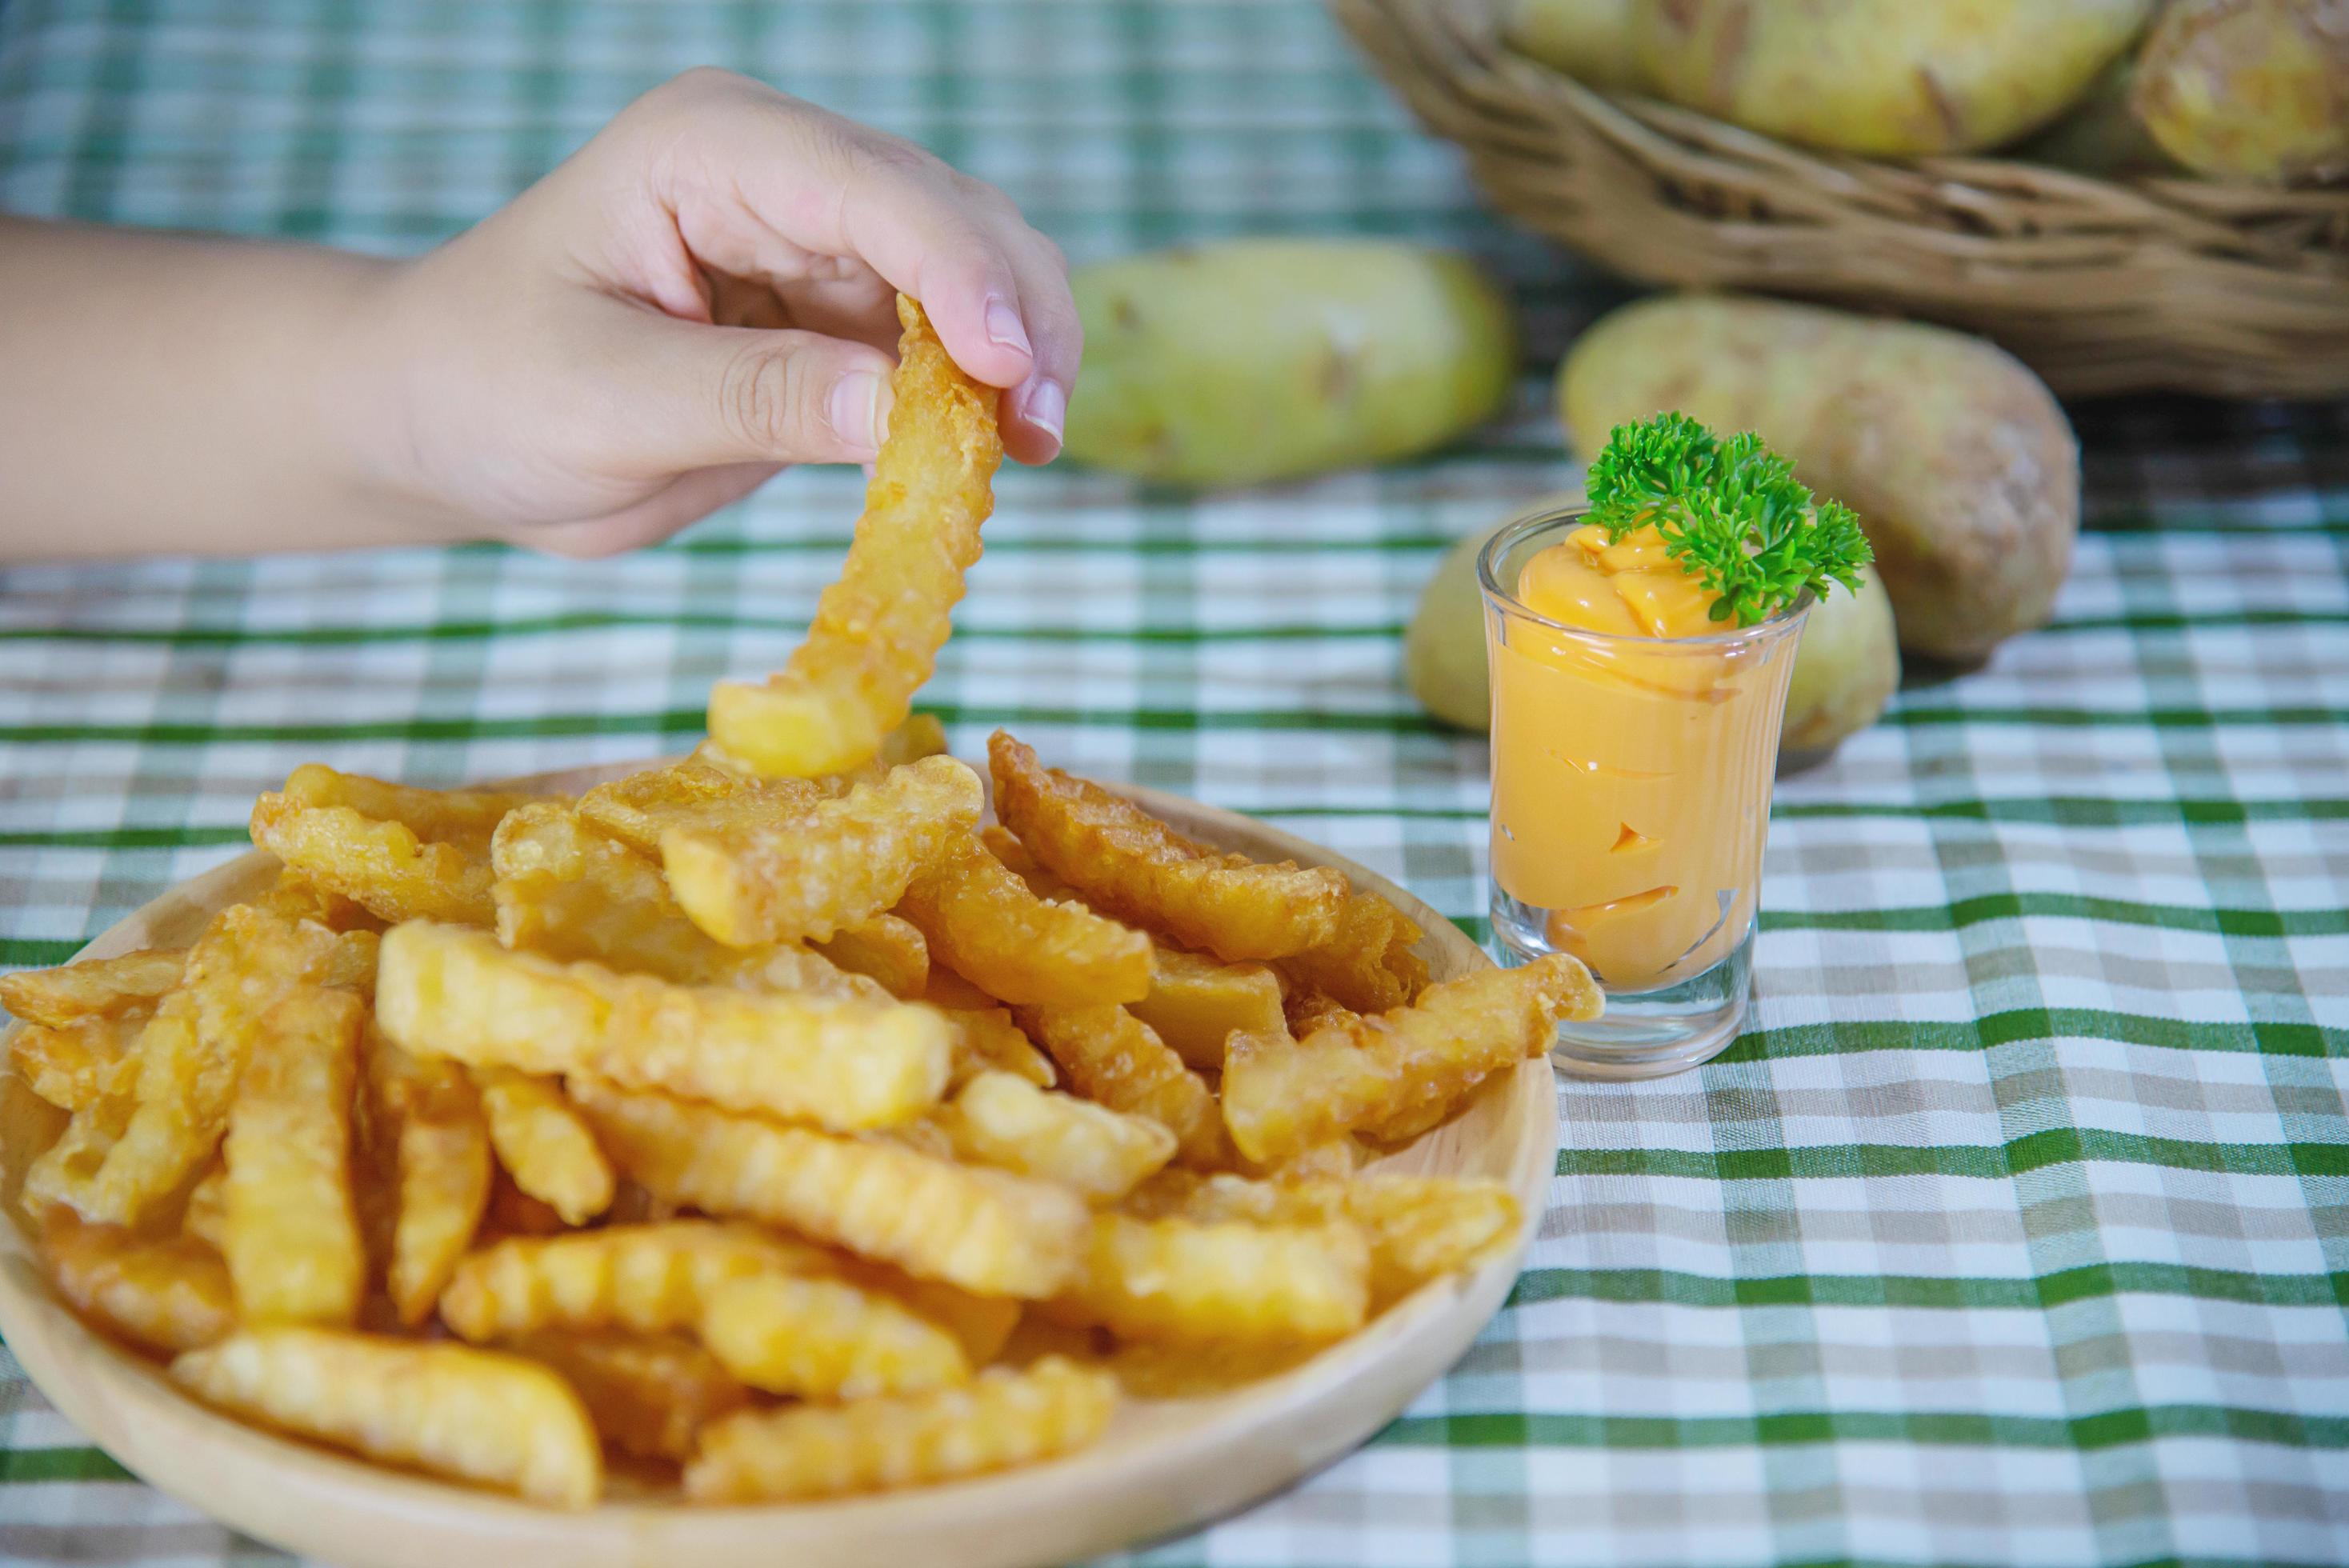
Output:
(1589, 40)
(1962, 467)
(1847, 668)
(1254, 360)
(1892, 78)
(2249, 91)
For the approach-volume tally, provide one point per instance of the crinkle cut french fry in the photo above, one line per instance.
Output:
(987, 1040)
(983, 923)
(511, 1212)
(1005, 1122)
(293, 896)
(446, 991)
(75, 1065)
(165, 1296)
(1186, 1279)
(878, 629)
(648, 1394)
(885, 948)
(1368, 964)
(1004, 845)
(463, 817)
(1112, 1057)
(920, 736)
(989, 1232)
(477, 1415)
(205, 1217)
(647, 1278)
(1196, 1004)
(543, 1144)
(1127, 863)
(383, 866)
(1001, 1418)
(694, 793)
(93, 988)
(1282, 1096)
(291, 1236)
(838, 862)
(429, 1121)
(824, 1338)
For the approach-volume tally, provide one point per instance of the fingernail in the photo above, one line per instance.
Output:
(1003, 328)
(857, 416)
(1047, 408)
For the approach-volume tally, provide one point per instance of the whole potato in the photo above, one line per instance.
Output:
(1270, 359)
(1589, 40)
(1894, 78)
(1958, 460)
(2251, 90)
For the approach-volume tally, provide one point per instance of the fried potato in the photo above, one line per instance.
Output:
(1187, 1279)
(885, 948)
(983, 923)
(1418, 1227)
(1190, 1369)
(1004, 845)
(1005, 1122)
(920, 736)
(290, 1236)
(462, 817)
(1196, 1004)
(694, 793)
(1112, 1057)
(429, 1121)
(1340, 1157)
(1126, 863)
(878, 629)
(1368, 964)
(980, 1324)
(844, 1063)
(77, 1064)
(511, 1212)
(93, 988)
(1281, 1095)
(646, 1278)
(1001, 1418)
(293, 896)
(496, 1419)
(167, 1296)
(647, 1394)
(205, 1217)
(987, 1040)
(836, 863)
(827, 1339)
(381, 865)
(543, 1144)
(989, 1232)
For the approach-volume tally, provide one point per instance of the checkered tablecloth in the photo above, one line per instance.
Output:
(2017, 1232)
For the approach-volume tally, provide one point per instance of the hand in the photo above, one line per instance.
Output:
(700, 295)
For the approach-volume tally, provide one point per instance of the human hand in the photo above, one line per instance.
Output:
(700, 295)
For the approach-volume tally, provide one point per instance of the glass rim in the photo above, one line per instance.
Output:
(1513, 532)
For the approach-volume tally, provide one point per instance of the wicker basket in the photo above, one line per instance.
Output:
(2103, 286)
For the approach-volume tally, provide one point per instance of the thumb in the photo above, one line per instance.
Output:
(721, 395)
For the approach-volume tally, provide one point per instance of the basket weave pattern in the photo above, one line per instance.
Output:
(2101, 285)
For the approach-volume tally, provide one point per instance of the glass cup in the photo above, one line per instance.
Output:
(1630, 800)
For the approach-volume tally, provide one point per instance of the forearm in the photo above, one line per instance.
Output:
(173, 393)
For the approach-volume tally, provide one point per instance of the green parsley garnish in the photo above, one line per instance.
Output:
(1730, 512)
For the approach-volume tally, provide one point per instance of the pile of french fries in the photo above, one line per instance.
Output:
(765, 1124)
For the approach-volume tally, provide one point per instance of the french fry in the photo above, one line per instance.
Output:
(291, 1237)
(1001, 1418)
(1112, 1057)
(835, 863)
(479, 1416)
(1126, 863)
(1187, 1369)
(989, 1232)
(1186, 1279)
(1004, 845)
(1003, 1120)
(1196, 1004)
(878, 629)
(429, 1121)
(167, 1296)
(1282, 1096)
(463, 817)
(511, 1212)
(1368, 964)
(205, 1218)
(987, 1040)
(446, 991)
(644, 1278)
(544, 1145)
(694, 793)
(983, 923)
(1341, 1157)
(823, 1339)
(647, 1394)
(93, 988)
(885, 948)
(293, 896)
(381, 865)
(75, 1065)
(980, 1324)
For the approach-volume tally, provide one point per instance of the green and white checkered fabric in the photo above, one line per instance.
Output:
(2017, 1232)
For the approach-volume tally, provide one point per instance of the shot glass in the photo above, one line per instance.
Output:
(1631, 801)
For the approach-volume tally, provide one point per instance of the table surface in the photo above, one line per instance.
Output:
(2018, 1230)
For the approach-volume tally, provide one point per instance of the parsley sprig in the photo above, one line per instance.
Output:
(1730, 512)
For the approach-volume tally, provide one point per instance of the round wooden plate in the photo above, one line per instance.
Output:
(1165, 1466)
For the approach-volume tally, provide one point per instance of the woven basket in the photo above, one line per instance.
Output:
(2101, 285)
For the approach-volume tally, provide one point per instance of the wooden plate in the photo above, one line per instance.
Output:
(1165, 1466)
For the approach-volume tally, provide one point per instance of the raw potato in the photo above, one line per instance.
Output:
(1956, 458)
(1845, 670)
(1891, 78)
(1443, 652)
(1589, 40)
(1270, 359)
(2253, 90)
